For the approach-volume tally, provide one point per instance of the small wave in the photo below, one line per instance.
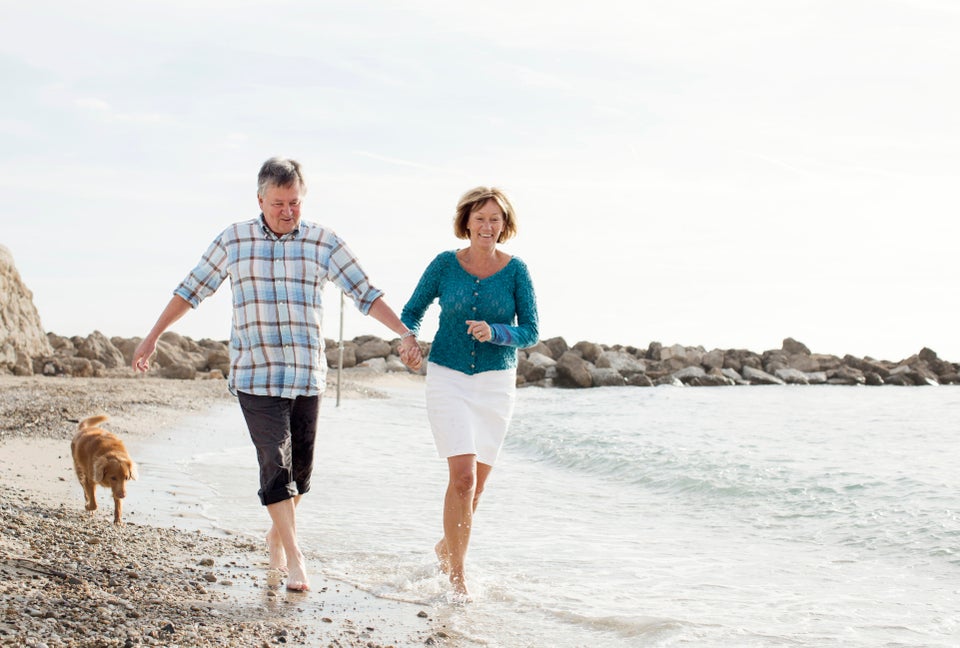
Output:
(624, 627)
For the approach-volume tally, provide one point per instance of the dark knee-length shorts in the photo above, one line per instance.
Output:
(284, 431)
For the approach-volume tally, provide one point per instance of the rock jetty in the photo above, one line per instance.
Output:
(551, 363)
(26, 350)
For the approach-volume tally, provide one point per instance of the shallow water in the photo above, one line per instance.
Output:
(760, 516)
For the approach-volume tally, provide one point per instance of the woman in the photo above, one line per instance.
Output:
(487, 311)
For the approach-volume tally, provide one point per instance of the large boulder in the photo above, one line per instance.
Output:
(542, 348)
(682, 356)
(349, 354)
(536, 366)
(759, 377)
(792, 376)
(589, 351)
(845, 375)
(792, 347)
(370, 347)
(803, 362)
(174, 350)
(606, 377)
(625, 363)
(97, 346)
(558, 346)
(573, 371)
(21, 333)
(713, 359)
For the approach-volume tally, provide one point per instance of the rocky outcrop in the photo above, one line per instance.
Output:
(21, 334)
(588, 364)
(551, 363)
(180, 357)
(25, 349)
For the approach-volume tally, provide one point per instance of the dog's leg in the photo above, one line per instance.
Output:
(90, 492)
(82, 479)
(117, 511)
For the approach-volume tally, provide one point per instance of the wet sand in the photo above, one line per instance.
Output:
(71, 578)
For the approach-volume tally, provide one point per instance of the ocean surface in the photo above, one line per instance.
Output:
(742, 516)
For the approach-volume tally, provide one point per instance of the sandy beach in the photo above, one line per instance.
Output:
(74, 579)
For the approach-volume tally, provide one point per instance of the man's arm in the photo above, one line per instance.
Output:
(409, 348)
(176, 309)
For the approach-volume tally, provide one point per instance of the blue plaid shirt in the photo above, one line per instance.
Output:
(276, 343)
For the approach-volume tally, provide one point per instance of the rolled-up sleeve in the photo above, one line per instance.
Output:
(344, 270)
(207, 276)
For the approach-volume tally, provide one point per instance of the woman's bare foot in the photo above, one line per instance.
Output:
(443, 555)
(460, 592)
(297, 579)
(278, 557)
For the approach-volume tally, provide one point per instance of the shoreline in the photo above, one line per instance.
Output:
(74, 579)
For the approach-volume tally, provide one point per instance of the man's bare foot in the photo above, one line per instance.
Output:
(443, 555)
(297, 580)
(278, 557)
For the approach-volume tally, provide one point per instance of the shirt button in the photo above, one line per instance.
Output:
(474, 308)
(473, 366)
(475, 294)
(473, 353)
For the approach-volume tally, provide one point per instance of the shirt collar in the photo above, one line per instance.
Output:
(272, 235)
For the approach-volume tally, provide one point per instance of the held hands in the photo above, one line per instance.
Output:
(410, 353)
(480, 331)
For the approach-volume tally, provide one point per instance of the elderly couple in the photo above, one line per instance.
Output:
(278, 264)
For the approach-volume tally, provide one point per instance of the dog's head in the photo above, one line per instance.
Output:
(114, 472)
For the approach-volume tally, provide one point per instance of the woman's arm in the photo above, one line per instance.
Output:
(526, 332)
(427, 290)
(410, 352)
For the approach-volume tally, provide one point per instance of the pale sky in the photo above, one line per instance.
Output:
(723, 174)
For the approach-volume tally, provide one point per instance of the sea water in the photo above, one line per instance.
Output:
(742, 516)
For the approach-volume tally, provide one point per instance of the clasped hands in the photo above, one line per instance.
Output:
(410, 353)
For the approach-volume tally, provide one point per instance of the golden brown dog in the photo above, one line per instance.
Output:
(100, 458)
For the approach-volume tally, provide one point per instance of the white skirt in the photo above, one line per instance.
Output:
(469, 415)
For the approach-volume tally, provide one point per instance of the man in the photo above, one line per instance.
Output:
(277, 267)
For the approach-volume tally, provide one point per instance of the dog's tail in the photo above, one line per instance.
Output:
(92, 421)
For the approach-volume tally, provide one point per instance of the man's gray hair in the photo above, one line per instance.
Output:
(279, 172)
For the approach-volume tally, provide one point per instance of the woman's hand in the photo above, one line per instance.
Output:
(410, 353)
(480, 331)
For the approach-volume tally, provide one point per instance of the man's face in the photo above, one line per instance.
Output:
(281, 208)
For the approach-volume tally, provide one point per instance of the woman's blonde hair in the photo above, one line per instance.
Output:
(477, 198)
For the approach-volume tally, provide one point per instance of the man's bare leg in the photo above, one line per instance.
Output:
(284, 516)
(278, 556)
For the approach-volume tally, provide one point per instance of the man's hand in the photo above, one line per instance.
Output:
(410, 353)
(141, 357)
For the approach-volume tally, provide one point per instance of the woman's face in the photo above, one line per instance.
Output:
(485, 223)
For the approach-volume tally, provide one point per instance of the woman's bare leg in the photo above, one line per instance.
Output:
(467, 479)
(284, 516)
